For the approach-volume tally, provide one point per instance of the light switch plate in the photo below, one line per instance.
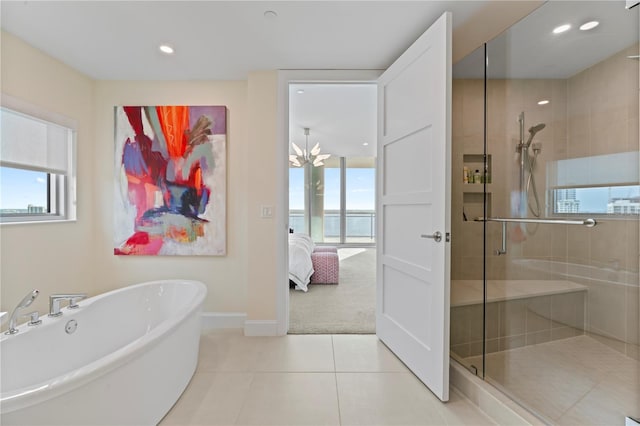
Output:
(266, 211)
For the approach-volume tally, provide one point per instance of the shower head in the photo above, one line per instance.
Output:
(533, 130)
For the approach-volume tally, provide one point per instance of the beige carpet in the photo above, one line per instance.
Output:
(348, 307)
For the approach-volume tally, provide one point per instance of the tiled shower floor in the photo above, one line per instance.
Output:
(574, 381)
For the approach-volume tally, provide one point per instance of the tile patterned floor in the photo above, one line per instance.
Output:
(310, 380)
(574, 381)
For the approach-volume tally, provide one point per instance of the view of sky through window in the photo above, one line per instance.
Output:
(21, 188)
(360, 183)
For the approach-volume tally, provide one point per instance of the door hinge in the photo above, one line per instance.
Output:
(447, 237)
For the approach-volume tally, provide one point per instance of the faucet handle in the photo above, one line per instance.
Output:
(71, 299)
(74, 299)
(34, 318)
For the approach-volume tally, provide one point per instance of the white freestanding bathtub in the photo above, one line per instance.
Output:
(129, 359)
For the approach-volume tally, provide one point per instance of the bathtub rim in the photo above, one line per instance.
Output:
(52, 387)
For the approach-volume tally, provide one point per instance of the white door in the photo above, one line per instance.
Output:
(414, 182)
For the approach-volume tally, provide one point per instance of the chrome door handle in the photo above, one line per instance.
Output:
(437, 236)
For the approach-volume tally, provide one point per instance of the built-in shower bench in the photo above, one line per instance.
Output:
(517, 313)
(470, 292)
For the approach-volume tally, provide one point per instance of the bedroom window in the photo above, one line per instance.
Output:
(332, 222)
(335, 204)
(296, 200)
(360, 200)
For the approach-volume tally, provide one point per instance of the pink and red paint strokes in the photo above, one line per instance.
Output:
(170, 180)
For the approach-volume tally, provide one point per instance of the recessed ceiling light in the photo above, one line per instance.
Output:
(299, 91)
(561, 28)
(165, 48)
(543, 102)
(270, 14)
(589, 25)
(366, 144)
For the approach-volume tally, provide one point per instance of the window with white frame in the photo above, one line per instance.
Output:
(37, 179)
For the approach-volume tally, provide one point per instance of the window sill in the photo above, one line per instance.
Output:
(26, 221)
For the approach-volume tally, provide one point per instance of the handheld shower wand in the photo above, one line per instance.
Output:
(528, 164)
(531, 182)
(24, 303)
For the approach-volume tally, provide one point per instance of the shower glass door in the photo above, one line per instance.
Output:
(561, 214)
(468, 202)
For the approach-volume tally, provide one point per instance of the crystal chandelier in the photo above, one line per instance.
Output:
(305, 156)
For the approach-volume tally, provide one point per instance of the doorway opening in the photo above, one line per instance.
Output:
(332, 207)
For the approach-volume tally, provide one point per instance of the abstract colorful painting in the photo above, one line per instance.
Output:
(170, 177)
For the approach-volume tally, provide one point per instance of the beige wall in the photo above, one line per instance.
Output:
(52, 257)
(225, 276)
(78, 256)
(261, 190)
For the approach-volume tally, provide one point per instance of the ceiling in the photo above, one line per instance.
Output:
(223, 40)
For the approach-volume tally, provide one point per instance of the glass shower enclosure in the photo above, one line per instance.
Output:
(546, 213)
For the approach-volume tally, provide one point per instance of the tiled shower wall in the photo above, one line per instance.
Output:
(592, 113)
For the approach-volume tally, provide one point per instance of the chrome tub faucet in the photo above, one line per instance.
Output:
(55, 301)
(25, 302)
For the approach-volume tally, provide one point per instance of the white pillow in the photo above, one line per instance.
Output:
(303, 239)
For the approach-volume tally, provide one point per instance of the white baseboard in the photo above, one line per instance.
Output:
(261, 328)
(218, 320)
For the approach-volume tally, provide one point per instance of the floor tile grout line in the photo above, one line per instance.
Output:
(335, 377)
(571, 407)
(246, 398)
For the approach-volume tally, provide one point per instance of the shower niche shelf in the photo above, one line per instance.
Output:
(476, 162)
(472, 205)
(475, 188)
(473, 193)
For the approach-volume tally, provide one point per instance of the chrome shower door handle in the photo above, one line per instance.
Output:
(437, 236)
